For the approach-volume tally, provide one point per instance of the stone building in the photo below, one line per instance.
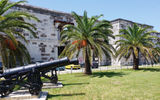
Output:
(47, 45)
(119, 24)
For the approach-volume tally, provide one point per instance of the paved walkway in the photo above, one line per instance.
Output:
(101, 69)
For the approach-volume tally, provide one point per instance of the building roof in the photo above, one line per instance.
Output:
(120, 19)
(49, 11)
(42, 10)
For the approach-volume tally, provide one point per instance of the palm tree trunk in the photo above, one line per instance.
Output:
(135, 62)
(3, 66)
(88, 70)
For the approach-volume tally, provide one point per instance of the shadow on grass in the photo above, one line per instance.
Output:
(75, 84)
(150, 69)
(107, 74)
(59, 95)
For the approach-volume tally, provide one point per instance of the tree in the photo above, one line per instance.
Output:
(134, 41)
(10, 24)
(12, 55)
(89, 36)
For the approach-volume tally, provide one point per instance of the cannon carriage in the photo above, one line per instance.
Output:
(30, 76)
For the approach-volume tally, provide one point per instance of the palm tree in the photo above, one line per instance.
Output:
(11, 54)
(89, 36)
(10, 23)
(134, 41)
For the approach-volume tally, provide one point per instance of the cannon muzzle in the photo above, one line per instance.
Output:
(74, 61)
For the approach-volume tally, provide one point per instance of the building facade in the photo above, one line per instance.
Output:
(47, 45)
(119, 24)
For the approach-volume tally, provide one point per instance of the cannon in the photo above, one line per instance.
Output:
(30, 76)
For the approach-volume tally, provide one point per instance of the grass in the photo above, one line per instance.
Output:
(143, 84)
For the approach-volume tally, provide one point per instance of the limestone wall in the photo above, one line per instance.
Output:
(45, 46)
(115, 29)
(123, 24)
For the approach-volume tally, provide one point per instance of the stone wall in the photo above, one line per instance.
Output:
(45, 46)
(123, 24)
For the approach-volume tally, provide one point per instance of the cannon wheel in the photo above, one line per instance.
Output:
(6, 87)
(35, 89)
(5, 91)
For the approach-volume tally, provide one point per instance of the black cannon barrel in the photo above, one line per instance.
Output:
(53, 64)
(39, 66)
(74, 61)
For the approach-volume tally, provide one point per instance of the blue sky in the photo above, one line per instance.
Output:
(141, 11)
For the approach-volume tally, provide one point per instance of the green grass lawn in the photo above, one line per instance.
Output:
(143, 84)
